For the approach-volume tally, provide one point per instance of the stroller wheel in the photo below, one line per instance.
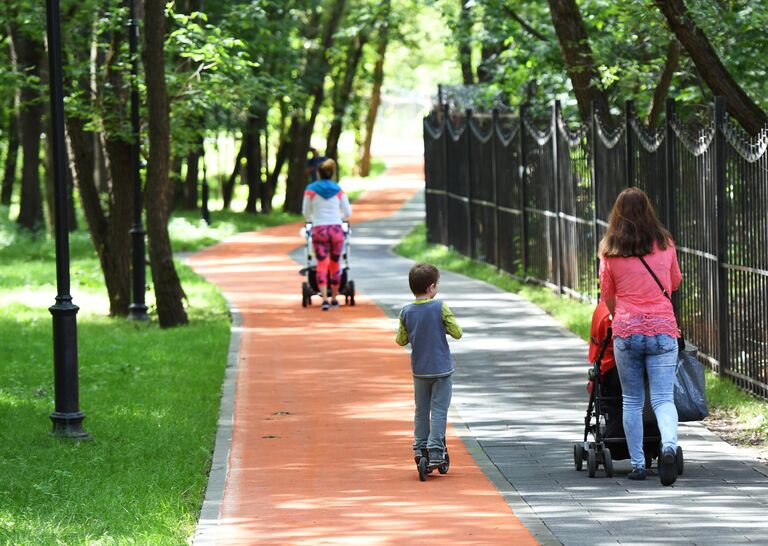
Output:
(306, 295)
(351, 292)
(679, 461)
(591, 462)
(578, 456)
(608, 462)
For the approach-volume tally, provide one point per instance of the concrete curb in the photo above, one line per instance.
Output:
(207, 531)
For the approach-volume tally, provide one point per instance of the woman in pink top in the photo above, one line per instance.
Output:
(644, 326)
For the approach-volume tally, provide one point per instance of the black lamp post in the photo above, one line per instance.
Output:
(67, 417)
(137, 308)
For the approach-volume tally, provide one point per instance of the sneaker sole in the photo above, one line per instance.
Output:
(668, 469)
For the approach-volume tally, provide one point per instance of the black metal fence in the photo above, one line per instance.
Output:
(535, 203)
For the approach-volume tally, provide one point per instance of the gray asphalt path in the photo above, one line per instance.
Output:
(519, 403)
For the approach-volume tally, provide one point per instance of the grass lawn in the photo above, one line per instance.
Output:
(747, 416)
(150, 396)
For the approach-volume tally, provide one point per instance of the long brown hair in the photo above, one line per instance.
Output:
(633, 227)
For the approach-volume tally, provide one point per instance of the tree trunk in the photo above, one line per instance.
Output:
(297, 162)
(711, 68)
(119, 226)
(50, 203)
(30, 59)
(373, 109)
(341, 94)
(283, 151)
(12, 154)
(71, 211)
(266, 193)
(192, 178)
(577, 54)
(665, 80)
(110, 242)
(489, 60)
(300, 132)
(101, 169)
(465, 44)
(228, 188)
(169, 294)
(252, 144)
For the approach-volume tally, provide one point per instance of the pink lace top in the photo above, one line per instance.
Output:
(641, 308)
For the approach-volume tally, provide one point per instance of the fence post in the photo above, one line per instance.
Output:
(444, 236)
(495, 186)
(439, 97)
(523, 180)
(722, 235)
(671, 178)
(629, 111)
(470, 211)
(593, 171)
(557, 184)
(669, 156)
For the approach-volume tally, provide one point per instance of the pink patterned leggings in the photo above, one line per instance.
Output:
(328, 244)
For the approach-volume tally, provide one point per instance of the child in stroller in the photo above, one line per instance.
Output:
(603, 420)
(310, 287)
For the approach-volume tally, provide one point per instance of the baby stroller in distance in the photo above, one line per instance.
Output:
(603, 420)
(309, 287)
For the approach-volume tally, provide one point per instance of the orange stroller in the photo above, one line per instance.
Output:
(603, 421)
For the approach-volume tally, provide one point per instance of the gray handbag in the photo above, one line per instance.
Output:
(690, 386)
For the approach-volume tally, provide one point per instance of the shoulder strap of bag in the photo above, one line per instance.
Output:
(680, 339)
(655, 278)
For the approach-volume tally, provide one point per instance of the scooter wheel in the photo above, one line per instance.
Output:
(443, 468)
(423, 469)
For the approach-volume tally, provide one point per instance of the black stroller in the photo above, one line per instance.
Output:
(309, 287)
(603, 421)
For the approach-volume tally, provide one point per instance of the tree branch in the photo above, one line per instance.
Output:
(711, 68)
(665, 80)
(522, 22)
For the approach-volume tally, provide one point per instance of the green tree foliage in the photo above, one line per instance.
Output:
(515, 43)
(276, 74)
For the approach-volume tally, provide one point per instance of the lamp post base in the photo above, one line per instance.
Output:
(137, 311)
(69, 426)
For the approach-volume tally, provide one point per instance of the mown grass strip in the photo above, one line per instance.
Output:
(725, 399)
(151, 398)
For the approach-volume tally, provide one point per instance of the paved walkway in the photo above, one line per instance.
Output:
(519, 402)
(320, 447)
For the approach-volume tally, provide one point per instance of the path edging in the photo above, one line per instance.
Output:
(516, 502)
(207, 530)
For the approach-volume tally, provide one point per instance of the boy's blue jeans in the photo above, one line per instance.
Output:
(432, 397)
(656, 355)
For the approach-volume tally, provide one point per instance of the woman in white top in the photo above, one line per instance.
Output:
(327, 206)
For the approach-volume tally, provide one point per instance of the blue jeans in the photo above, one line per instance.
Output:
(432, 397)
(656, 355)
